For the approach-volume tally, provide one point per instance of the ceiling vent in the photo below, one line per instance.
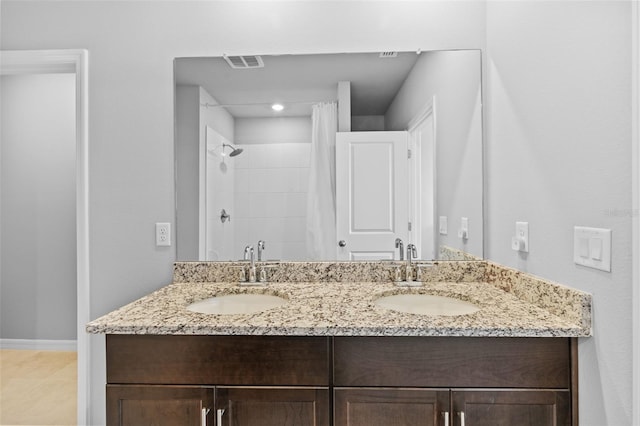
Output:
(244, 62)
(388, 54)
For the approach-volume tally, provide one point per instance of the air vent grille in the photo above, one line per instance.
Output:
(388, 54)
(244, 62)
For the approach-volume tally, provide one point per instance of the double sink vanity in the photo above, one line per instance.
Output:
(339, 343)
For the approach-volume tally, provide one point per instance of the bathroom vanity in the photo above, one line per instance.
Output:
(367, 381)
(331, 356)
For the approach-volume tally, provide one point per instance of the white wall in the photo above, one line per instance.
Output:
(553, 92)
(220, 195)
(559, 155)
(218, 180)
(38, 282)
(273, 130)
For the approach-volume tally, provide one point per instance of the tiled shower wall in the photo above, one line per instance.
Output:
(271, 199)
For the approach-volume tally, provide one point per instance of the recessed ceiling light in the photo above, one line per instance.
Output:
(277, 107)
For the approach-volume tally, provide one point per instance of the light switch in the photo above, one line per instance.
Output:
(583, 247)
(592, 247)
(595, 248)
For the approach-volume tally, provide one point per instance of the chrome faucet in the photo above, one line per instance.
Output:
(248, 255)
(260, 250)
(400, 246)
(412, 253)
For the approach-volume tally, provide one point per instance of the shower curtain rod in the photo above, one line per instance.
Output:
(208, 105)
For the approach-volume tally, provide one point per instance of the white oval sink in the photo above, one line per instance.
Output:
(426, 304)
(237, 304)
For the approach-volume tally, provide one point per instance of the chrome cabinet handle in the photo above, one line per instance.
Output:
(461, 418)
(220, 412)
(342, 243)
(446, 418)
(203, 418)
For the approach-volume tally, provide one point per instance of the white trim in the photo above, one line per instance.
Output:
(427, 109)
(415, 171)
(635, 147)
(39, 345)
(76, 61)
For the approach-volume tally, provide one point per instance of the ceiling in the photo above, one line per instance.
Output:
(304, 79)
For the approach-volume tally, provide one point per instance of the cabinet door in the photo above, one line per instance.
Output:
(272, 406)
(511, 407)
(388, 407)
(130, 405)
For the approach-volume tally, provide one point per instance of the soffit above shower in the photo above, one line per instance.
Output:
(375, 80)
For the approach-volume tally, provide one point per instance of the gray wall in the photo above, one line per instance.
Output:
(454, 78)
(38, 273)
(565, 136)
(559, 155)
(188, 170)
(192, 120)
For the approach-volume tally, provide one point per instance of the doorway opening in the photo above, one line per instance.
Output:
(75, 62)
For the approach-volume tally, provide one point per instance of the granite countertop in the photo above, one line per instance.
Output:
(336, 309)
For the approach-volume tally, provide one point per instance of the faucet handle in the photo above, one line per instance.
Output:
(412, 252)
(400, 247)
(247, 250)
(261, 247)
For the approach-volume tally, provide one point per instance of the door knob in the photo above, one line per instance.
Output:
(342, 243)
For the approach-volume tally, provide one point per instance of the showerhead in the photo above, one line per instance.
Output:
(234, 151)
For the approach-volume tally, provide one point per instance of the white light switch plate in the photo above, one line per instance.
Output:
(592, 247)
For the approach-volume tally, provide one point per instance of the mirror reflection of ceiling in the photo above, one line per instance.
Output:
(299, 80)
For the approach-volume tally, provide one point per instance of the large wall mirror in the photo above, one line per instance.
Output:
(348, 156)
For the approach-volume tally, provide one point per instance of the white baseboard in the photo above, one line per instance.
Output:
(39, 345)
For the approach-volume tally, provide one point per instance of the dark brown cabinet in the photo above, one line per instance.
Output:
(388, 407)
(340, 381)
(478, 381)
(131, 405)
(272, 406)
(511, 407)
(423, 407)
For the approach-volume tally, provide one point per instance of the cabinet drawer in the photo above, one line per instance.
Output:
(220, 360)
(452, 362)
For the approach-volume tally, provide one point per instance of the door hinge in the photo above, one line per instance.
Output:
(409, 226)
(408, 153)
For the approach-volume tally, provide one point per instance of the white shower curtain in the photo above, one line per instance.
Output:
(321, 196)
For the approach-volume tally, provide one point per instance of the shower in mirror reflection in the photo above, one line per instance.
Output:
(267, 185)
(234, 151)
